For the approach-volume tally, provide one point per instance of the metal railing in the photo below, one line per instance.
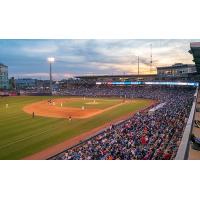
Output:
(183, 150)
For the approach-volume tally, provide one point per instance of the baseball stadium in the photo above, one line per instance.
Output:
(138, 116)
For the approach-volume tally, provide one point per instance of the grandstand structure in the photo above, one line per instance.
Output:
(195, 51)
(160, 131)
(174, 87)
(167, 128)
(123, 77)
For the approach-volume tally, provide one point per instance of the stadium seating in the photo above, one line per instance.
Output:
(143, 136)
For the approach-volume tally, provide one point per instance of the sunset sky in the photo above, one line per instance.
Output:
(28, 58)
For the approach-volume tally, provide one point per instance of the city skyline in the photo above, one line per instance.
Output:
(28, 58)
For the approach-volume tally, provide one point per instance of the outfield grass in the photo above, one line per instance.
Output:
(20, 135)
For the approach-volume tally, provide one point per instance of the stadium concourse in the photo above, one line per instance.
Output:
(146, 135)
(194, 154)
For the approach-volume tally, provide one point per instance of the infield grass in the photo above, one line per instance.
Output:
(97, 103)
(20, 135)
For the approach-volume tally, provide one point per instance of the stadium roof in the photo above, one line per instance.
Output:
(1, 64)
(195, 51)
(116, 76)
(195, 44)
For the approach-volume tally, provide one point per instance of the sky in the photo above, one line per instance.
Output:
(73, 57)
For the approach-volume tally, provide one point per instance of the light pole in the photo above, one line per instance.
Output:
(50, 60)
(151, 62)
(138, 66)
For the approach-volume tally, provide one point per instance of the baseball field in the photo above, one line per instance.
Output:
(57, 123)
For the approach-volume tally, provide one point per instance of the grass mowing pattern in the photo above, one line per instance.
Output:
(20, 135)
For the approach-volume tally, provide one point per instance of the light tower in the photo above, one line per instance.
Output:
(151, 62)
(51, 60)
(137, 56)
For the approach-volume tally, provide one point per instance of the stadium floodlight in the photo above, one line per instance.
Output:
(138, 53)
(50, 60)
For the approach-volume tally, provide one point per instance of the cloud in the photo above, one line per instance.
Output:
(39, 50)
(28, 57)
(55, 76)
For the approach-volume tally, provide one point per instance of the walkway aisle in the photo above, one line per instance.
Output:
(193, 154)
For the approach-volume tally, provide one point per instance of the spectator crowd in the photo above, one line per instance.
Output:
(145, 135)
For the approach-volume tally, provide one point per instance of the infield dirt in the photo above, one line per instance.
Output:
(54, 109)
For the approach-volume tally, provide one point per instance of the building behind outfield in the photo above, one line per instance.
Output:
(25, 83)
(4, 83)
(177, 70)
